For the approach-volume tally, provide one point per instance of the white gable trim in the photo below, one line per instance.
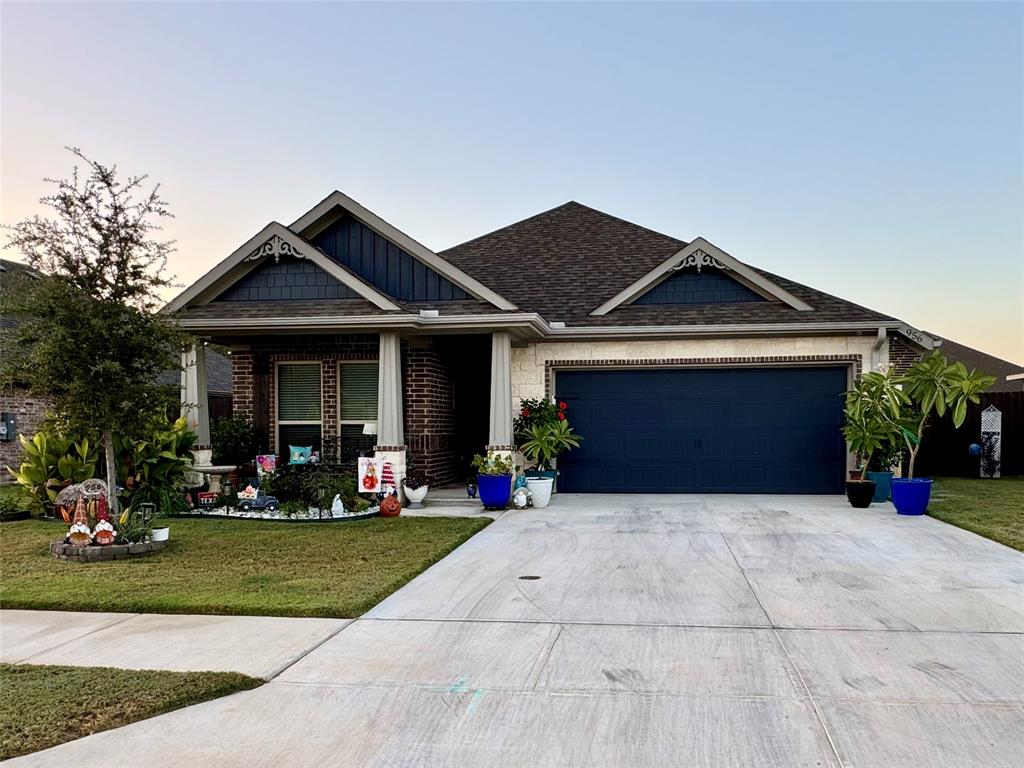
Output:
(470, 285)
(274, 240)
(702, 253)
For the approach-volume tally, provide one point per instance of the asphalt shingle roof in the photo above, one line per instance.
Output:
(566, 262)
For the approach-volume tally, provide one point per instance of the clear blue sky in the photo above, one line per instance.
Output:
(870, 150)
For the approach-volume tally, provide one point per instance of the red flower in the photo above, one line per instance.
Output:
(562, 406)
(526, 413)
(561, 417)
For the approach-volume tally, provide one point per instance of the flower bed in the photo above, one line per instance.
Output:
(311, 515)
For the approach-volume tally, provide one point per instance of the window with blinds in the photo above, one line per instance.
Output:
(358, 397)
(357, 406)
(298, 405)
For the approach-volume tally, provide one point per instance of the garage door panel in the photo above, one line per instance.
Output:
(705, 430)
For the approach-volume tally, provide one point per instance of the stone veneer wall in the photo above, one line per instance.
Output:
(29, 412)
(429, 415)
(532, 365)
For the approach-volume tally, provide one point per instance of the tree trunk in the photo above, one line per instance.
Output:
(108, 449)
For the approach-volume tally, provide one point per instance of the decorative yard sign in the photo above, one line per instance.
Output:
(991, 448)
(370, 471)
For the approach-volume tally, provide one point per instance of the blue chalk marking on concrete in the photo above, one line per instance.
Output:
(474, 701)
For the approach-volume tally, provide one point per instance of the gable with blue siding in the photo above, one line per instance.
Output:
(709, 286)
(289, 279)
(383, 264)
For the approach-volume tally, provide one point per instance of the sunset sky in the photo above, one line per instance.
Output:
(874, 151)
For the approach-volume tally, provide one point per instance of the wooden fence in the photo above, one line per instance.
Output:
(944, 451)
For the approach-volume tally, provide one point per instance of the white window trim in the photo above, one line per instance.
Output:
(351, 422)
(277, 396)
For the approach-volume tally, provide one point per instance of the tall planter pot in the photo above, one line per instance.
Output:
(883, 485)
(494, 490)
(910, 497)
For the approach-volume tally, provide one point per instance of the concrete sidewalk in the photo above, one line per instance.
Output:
(718, 631)
(254, 645)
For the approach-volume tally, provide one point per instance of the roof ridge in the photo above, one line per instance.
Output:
(567, 204)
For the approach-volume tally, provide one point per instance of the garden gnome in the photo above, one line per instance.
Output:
(79, 534)
(104, 532)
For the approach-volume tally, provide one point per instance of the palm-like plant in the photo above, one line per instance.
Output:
(874, 409)
(546, 441)
(933, 385)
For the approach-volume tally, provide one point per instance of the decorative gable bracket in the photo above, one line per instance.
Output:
(699, 259)
(701, 253)
(276, 247)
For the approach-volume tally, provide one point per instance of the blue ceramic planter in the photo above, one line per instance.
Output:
(494, 490)
(910, 497)
(883, 485)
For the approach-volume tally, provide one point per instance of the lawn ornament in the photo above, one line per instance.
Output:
(337, 508)
(520, 498)
(80, 535)
(262, 501)
(104, 533)
(387, 477)
(249, 493)
(390, 507)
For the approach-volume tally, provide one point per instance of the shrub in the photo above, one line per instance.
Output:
(314, 485)
(53, 462)
(233, 441)
(153, 470)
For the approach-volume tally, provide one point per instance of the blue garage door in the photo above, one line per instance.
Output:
(710, 430)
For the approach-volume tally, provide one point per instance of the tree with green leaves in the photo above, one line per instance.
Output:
(933, 385)
(89, 335)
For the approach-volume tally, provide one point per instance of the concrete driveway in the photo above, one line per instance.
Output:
(655, 631)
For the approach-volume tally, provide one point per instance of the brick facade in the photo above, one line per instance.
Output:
(429, 415)
(29, 412)
(429, 418)
(902, 354)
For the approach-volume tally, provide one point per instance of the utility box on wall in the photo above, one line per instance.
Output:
(8, 426)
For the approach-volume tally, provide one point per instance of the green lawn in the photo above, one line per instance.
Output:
(41, 706)
(233, 567)
(991, 508)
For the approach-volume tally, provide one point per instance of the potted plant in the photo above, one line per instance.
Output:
(537, 412)
(545, 443)
(415, 485)
(872, 424)
(883, 464)
(932, 385)
(494, 477)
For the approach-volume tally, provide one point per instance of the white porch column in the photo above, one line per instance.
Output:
(390, 419)
(500, 434)
(194, 398)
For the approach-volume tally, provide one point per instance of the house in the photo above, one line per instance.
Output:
(685, 368)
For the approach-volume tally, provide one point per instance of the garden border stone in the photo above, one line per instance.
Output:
(96, 554)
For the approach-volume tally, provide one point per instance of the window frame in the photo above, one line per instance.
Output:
(338, 394)
(277, 400)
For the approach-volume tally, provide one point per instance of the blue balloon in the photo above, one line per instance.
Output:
(974, 449)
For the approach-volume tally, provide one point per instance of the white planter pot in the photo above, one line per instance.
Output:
(540, 489)
(416, 496)
(160, 534)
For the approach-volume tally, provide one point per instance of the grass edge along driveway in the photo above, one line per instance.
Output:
(234, 567)
(990, 508)
(42, 706)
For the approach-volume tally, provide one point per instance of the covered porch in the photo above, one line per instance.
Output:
(426, 402)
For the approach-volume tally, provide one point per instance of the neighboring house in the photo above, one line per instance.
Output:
(20, 413)
(684, 368)
(1008, 375)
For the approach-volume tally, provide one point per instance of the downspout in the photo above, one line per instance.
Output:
(877, 348)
